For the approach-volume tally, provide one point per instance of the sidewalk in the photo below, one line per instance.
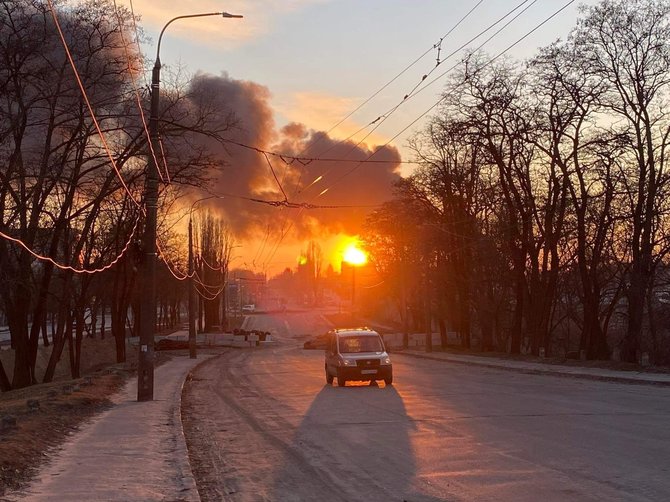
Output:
(636, 377)
(134, 451)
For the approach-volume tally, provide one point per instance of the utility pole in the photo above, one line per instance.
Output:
(145, 370)
(191, 296)
(353, 290)
(145, 374)
(426, 296)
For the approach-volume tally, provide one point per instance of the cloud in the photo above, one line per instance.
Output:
(322, 111)
(244, 173)
(259, 18)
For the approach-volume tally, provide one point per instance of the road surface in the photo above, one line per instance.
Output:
(262, 425)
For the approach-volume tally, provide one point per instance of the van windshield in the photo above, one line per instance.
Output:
(352, 344)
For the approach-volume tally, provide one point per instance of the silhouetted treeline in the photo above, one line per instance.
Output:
(538, 220)
(72, 179)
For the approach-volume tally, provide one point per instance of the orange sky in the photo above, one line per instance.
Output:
(339, 194)
(296, 69)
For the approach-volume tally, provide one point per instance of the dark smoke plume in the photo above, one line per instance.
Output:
(246, 173)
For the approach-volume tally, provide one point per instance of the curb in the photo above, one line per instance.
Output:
(184, 466)
(539, 371)
(189, 477)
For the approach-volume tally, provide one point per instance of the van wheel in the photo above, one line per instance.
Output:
(389, 380)
(340, 380)
(329, 377)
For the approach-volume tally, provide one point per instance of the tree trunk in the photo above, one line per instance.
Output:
(631, 342)
(94, 319)
(19, 333)
(79, 336)
(593, 339)
(103, 321)
(57, 346)
(70, 344)
(45, 334)
(5, 385)
(443, 332)
(200, 312)
(517, 319)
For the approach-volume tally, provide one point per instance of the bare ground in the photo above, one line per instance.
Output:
(35, 420)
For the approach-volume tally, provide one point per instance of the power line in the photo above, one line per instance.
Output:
(382, 118)
(402, 72)
(292, 205)
(261, 247)
(289, 159)
(68, 267)
(281, 188)
(136, 91)
(500, 54)
(416, 90)
(212, 296)
(437, 45)
(284, 233)
(168, 263)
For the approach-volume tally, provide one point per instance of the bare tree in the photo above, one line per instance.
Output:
(215, 245)
(392, 238)
(60, 180)
(626, 45)
(451, 189)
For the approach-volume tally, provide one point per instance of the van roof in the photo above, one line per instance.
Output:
(356, 331)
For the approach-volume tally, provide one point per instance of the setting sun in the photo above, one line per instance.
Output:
(354, 255)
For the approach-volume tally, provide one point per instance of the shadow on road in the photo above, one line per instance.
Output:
(353, 444)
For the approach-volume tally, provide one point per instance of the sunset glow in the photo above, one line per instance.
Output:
(354, 255)
(426, 242)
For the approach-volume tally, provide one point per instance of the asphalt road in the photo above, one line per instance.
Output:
(262, 425)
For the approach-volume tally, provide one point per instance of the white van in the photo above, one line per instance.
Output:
(356, 354)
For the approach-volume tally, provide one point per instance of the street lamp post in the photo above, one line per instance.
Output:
(145, 374)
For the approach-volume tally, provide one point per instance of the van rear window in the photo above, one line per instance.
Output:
(352, 344)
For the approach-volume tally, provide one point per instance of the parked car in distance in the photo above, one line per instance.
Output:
(356, 354)
(248, 308)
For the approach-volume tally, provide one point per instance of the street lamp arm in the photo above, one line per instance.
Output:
(160, 37)
(203, 199)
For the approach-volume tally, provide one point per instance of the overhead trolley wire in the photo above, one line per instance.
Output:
(305, 161)
(500, 54)
(402, 72)
(410, 65)
(416, 90)
(436, 45)
(382, 118)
